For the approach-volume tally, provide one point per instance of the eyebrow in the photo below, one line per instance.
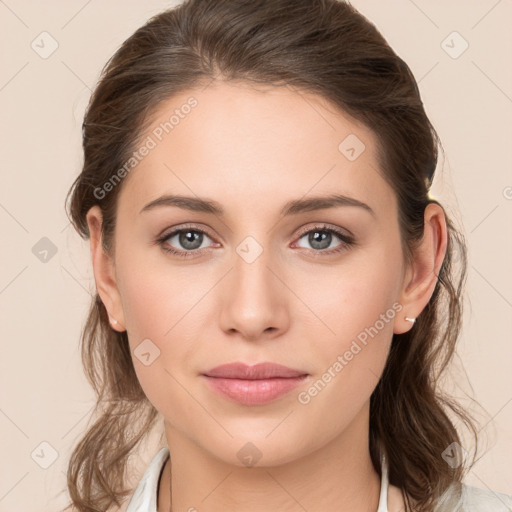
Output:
(293, 207)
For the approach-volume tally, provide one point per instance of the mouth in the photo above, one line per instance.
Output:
(253, 385)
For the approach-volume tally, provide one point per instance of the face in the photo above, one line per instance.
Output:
(270, 276)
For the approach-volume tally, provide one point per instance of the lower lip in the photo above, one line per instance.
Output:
(254, 392)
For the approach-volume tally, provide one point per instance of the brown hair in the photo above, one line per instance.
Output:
(324, 47)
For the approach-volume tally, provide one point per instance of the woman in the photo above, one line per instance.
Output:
(271, 271)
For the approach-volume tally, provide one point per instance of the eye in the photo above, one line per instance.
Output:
(321, 237)
(189, 241)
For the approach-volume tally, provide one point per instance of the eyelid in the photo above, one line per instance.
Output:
(326, 226)
(347, 240)
(167, 232)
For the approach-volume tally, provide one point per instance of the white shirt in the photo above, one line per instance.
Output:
(473, 499)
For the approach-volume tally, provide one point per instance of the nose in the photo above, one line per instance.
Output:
(254, 299)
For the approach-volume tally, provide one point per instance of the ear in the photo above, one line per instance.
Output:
(421, 275)
(104, 271)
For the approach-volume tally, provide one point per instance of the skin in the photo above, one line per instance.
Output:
(252, 150)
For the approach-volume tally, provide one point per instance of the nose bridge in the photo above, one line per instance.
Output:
(253, 300)
(252, 276)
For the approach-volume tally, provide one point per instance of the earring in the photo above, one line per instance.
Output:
(412, 320)
(114, 321)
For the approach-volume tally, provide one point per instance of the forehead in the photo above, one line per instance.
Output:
(245, 146)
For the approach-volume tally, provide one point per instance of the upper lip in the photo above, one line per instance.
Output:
(258, 371)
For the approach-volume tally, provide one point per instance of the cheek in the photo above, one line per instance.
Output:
(156, 296)
(349, 361)
(342, 302)
(160, 333)
(164, 311)
(351, 329)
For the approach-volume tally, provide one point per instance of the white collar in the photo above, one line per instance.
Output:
(144, 498)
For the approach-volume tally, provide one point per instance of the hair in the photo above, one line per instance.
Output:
(324, 47)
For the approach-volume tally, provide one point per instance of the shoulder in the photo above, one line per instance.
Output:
(474, 499)
(467, 498)
(145, 495)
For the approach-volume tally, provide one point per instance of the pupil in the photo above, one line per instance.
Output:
(320, 237)
(189, 237)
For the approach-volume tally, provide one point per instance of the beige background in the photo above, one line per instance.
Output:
(45, 397)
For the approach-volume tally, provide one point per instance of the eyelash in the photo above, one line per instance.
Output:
(347, 241)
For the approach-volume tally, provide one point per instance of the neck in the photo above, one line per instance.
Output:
(338, 477)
